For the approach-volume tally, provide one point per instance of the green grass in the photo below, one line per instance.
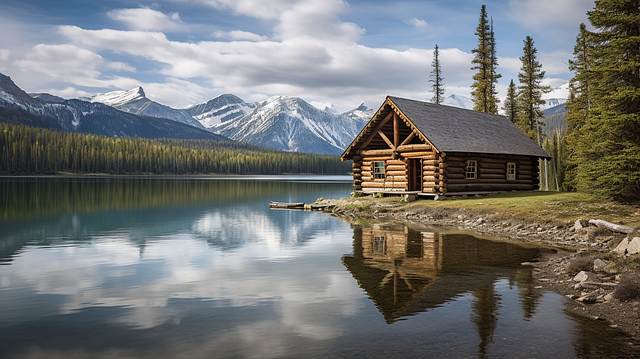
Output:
(558, 208)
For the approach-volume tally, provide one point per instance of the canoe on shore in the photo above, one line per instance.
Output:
(284, 205)
(301, 205)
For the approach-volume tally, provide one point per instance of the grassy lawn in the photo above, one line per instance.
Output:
(559, 208)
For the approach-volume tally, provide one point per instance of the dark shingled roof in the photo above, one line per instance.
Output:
(452, 129)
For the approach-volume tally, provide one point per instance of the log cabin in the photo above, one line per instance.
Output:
(419, 147)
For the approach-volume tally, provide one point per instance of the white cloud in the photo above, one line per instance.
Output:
(66, 62)
(146, 19)
(121, 66)
(238, 35)
(4, 54)
(69, 92)
(321, 70)
(419, 23)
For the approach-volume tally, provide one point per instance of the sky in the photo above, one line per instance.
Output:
(329, 52)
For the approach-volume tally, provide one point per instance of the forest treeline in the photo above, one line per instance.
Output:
(40, 151)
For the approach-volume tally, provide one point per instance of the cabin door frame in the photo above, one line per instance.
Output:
(414, 167)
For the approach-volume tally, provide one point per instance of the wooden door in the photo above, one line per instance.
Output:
(414, 166)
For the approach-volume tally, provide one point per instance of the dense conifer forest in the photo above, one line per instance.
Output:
(31, 150)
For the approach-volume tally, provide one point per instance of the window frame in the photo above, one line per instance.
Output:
(378, 170)
(511, 176)
(471, 164)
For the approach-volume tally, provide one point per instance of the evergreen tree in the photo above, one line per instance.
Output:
(607, 144)
(485, 62)
(511, 103)
(531, 91)
(436, 77)
(579, 101)
(493, 94)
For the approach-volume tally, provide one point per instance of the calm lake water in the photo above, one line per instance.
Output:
(199, 267)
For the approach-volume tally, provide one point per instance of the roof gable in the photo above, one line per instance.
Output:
(452, 129)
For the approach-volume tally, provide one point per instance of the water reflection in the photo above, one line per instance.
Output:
(404, 270)
(185, 270)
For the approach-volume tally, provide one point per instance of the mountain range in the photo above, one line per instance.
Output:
(43, 110)
(281, 122)
(292, 124)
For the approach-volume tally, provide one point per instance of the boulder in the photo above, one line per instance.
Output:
(628, 246)
(634, 246)
(585, 276)
(598, 264)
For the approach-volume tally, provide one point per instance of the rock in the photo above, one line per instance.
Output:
(587, 299)
(578, 224)
(634, 246)
(628, 246)
(598, 264)
(409, 197)
(585, 276)
(608, 297)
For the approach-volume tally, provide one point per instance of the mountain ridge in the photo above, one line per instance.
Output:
(80, 116)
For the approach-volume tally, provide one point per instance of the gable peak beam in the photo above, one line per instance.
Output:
(396, 130)
(377, 129)
(411, 125)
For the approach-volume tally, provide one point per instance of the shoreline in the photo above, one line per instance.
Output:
(591, 300)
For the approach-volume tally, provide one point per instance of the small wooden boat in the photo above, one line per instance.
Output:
(284, 205)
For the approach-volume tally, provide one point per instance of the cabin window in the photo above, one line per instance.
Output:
(379, 244)
(378, 170)
(471, 170)
(511, 171)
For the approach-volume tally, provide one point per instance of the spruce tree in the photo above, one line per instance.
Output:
(607, 144)
(485, 63)
(579, 101)
(530, 91)
(510, 106)
(436, 77)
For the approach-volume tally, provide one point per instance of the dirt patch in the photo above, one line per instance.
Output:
(591, 298)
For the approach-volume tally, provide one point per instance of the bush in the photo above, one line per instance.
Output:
(579, 264)
(628, 288)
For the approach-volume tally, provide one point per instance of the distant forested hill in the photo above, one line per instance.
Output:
(26, 149)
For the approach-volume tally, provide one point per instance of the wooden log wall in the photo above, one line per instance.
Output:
(492, 173)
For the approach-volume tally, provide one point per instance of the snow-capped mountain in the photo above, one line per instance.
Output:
(553, 102)
(292, 124)
(80, 116)
(136, 102)
(364, 112)
(221, 109)
(458, 101)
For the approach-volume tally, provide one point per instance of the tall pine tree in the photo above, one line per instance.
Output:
(510, 105)
(607, 144)
(485, 62)
(579, 101)
(436, 77)
(530, 91)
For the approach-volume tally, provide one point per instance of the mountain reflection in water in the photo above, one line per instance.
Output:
(175, 267)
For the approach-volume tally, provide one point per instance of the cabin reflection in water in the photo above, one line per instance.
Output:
(406, 271)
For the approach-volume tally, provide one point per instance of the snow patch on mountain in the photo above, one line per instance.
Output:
(553, 102)
(292, 124)
(458, 101)
(135, 101)
(364, 112)
(221, 109)
(119, 98)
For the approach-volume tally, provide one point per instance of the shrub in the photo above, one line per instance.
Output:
(579, 264)
(629, 287)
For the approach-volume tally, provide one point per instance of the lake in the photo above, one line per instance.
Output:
(198, 266)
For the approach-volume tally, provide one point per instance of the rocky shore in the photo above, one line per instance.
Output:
(586, 269)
